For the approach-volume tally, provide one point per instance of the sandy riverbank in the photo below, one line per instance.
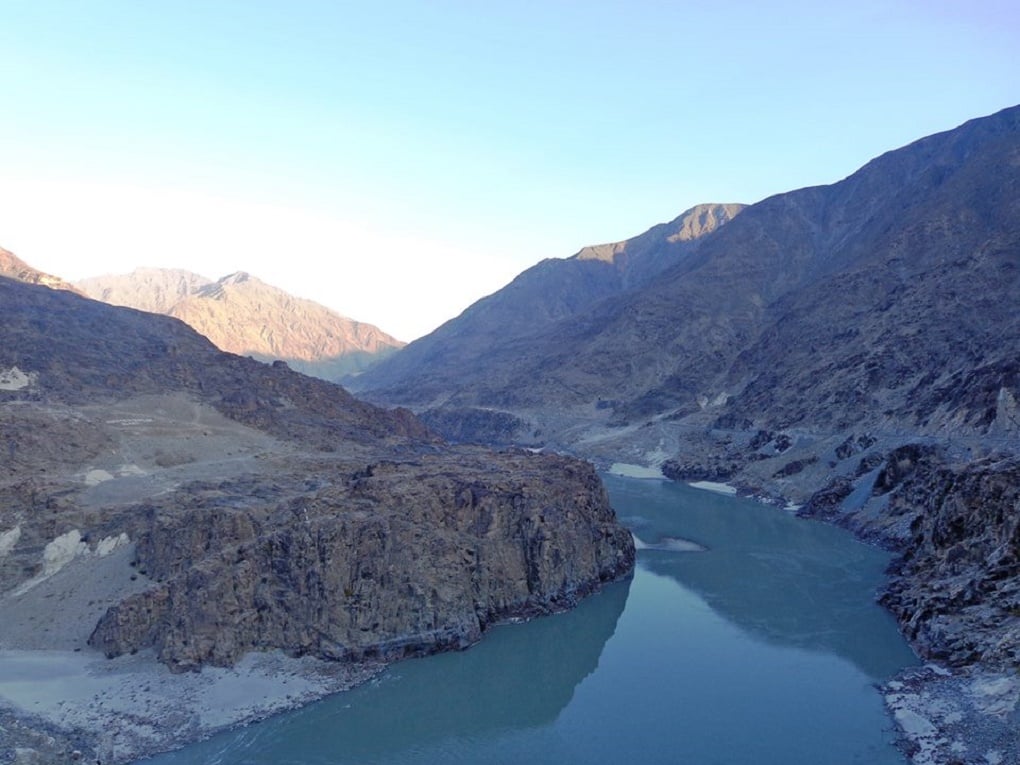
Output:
(126, 708)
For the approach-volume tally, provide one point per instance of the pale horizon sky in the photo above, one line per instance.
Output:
(397, 161)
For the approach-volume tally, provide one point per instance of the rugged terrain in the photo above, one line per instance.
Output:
(160, 498)
(851, 348)
(244, 315)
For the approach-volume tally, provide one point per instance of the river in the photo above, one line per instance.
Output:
(758, 644)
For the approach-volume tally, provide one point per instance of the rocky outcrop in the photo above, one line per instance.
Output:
(392, 560)
(14, 267)
(956, 588)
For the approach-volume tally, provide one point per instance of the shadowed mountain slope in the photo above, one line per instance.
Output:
(466, 350)
(872, 299)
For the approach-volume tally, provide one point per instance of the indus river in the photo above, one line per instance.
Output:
(745, 637)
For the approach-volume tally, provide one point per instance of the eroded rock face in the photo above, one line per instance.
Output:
(956, 590)
(391, 560)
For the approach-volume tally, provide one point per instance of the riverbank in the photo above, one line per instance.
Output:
(966, 717)
(945, 715)
(120, 710)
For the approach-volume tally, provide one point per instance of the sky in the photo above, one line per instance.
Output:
(397, 161)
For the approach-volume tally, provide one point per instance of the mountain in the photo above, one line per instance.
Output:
(193, 506)
(243, 315)
(156, 290)
(552, 291)
(852, 348)
(867, 303)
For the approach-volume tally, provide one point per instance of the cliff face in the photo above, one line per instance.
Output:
(265, 509)
(388, 561)
(956, 590)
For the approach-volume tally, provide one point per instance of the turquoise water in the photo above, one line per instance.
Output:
(763, 648)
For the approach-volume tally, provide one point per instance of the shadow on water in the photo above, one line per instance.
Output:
(786, 580)
(518, 677)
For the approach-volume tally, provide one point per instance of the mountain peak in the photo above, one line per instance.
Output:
(238, 277)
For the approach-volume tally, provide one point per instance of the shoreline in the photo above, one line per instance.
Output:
(941, 716)
(132, 707)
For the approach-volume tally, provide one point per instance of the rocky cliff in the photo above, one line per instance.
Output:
(204, 505)
(384, 560)
(244, 315)
(955, 587)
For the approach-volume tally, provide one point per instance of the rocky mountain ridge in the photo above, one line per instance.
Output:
(244, 315)
(542, 298)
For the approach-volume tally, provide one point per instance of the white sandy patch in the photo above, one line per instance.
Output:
(996, 695)
(108, 544)
(719, 488)
(913, 724)
(64, 549)
(8, 539)
(628, 470)
(669, 544)
(97, 476)
(15, 379)
(140, 707)
(56, 555)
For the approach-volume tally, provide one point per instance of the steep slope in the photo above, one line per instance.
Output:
(551, 291)
(243, 315)
(202, 505)
(867, 302)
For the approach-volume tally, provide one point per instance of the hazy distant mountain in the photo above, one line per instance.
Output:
(243, 315)
(156, 290)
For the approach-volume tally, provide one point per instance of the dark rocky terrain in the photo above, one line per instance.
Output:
(852, 348)
(243, 315)
(157, 494)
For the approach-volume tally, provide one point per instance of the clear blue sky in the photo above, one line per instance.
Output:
(398, 160)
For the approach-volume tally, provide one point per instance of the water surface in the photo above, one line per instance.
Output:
(763, 647)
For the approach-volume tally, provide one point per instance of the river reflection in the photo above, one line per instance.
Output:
(519, 677)
(787, 580)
